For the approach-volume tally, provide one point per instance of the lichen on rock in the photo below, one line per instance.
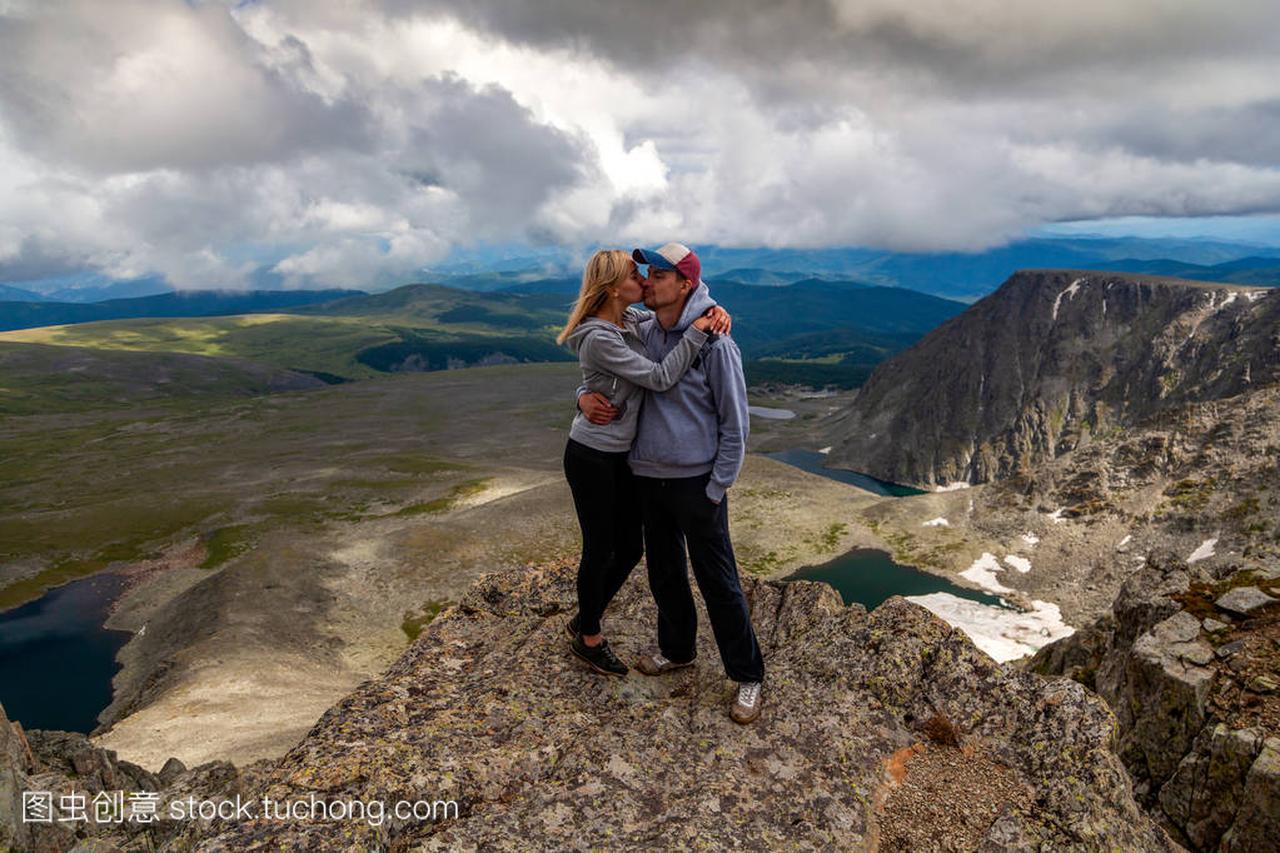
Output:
(489, 709)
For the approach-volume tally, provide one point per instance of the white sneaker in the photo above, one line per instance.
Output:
(747, 706)
(656, 664)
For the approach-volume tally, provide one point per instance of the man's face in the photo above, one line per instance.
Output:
(664, 287)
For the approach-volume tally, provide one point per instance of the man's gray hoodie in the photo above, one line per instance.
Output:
(615, 363)
(700, 424)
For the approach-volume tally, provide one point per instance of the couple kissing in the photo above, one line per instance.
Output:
(658, 439)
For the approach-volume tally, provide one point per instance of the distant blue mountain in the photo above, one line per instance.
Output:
(1254, 270)
(955, 275)
(88, 287)
(17, 294)
(771, 278)
(132, 289)
(567, 286)
(190, 303)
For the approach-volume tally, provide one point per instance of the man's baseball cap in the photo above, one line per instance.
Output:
(672, 256)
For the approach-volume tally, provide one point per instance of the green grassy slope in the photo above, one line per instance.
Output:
(356, 340)
(811, 332)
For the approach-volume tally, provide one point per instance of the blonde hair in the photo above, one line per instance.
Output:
(607, 268)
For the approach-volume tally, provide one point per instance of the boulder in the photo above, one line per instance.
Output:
(1244, 600)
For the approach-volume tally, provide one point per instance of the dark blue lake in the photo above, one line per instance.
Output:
(869, 576)
(56, 659)
(813, 462)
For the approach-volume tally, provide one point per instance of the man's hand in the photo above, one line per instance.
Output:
(721, 322)
(597, 408)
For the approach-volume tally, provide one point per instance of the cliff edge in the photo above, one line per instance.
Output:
(887, 729)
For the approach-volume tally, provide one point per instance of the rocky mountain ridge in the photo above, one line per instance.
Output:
(1046, 363)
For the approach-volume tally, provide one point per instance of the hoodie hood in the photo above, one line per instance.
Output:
(699, 301)
(583, 329)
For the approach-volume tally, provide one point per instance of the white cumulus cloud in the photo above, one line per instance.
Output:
(347, 143)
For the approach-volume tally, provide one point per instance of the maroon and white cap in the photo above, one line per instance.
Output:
(672, 256)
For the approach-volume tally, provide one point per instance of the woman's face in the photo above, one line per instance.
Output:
(631, 289)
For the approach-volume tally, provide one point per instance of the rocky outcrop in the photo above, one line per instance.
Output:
(875, 726)
(1192, 682)
(1047, 363)
(887, 730)
(70, 775)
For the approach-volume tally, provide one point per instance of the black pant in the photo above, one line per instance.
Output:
(608, 505)
(678, 511)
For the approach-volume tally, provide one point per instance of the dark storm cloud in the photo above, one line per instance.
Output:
(485, 147)
(136, 86)
(981, 46)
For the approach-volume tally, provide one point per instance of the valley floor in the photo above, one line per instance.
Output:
(287, 547)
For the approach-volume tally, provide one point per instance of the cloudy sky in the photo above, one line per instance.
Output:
(349, 141)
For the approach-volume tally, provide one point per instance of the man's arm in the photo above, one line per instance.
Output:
(595, 407)
(610, 354)
(729, 390)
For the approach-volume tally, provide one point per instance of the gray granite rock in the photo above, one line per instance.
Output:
(1216, 786)
(65, 763)
(1244, 600)
(1257, 823)
(1181, 627)
(1019, 378)
(1201, 796)
(1226, 650)
(1195, 653)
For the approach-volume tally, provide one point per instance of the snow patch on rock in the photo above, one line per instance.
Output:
(1002, 633)
(1204, 551)
(1022, 564)
(983, 573)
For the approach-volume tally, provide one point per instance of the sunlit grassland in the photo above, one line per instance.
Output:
(326, 344)
(323, 344)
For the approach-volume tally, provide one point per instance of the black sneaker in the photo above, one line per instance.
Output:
(571, 627)
(600, 658)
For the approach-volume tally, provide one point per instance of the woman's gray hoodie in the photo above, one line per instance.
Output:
(615, 364)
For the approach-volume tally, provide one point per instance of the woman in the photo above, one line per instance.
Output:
(603, 331)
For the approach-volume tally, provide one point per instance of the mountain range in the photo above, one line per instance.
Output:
(813, 332)
(965, 276)
(1051, 360)
(190, 303)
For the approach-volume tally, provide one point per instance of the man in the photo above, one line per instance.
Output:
(688, 451)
